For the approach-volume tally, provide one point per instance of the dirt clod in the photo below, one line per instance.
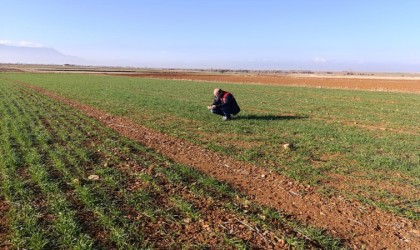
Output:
(93, 177)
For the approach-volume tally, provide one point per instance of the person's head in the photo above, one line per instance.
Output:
(217, 92)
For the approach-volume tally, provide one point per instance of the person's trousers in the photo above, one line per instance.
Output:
(221, 111)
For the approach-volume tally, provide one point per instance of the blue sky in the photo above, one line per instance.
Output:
(254, 34)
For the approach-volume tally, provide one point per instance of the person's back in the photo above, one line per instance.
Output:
(231, 103)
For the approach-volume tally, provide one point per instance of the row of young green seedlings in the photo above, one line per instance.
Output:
(61, 157)
(64, 138)
(23, 215)
(221, 188)
(63, 230)
(111, 180)
(84, 193)
(218, 190)
(50, 190)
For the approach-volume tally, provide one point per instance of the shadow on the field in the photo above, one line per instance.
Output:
(269, 117)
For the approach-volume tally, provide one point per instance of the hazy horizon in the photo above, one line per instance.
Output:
(371, 36)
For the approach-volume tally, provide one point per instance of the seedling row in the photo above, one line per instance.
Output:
(69, 182)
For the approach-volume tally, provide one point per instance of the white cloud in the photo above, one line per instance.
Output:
(319, 60)
(21, 43)
(29, 44)
(5, 42)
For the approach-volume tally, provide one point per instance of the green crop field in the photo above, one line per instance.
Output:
(67, 182)
(367, 138)
(356, 144)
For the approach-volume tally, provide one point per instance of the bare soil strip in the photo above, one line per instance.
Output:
(4, 230)
(350, 82)
(358, 224)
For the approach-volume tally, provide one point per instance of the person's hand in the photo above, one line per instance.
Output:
(211, 107)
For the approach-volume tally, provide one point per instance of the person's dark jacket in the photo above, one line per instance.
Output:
(227, 103)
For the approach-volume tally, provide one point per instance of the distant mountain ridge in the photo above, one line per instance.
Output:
(31, 55)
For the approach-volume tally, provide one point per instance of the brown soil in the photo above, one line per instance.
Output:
(4, 230)
(358, 224)
(4, 68)
(348, 82)
(360, 184)
(213, 218)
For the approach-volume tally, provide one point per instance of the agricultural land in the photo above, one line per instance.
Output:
(122, 158)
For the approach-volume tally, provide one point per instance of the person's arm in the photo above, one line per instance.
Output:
(216, 101)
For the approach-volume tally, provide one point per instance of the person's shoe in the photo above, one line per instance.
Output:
(226, 118)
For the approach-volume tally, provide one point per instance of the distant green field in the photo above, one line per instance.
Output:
(367, 138)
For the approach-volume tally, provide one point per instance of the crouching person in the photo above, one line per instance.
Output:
(224, 104)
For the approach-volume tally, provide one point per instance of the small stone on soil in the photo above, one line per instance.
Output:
(93, 177)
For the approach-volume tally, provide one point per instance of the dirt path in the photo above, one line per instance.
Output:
(360, 225)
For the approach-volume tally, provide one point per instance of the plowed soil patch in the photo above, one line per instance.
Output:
(358, 224)
(366, 83)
